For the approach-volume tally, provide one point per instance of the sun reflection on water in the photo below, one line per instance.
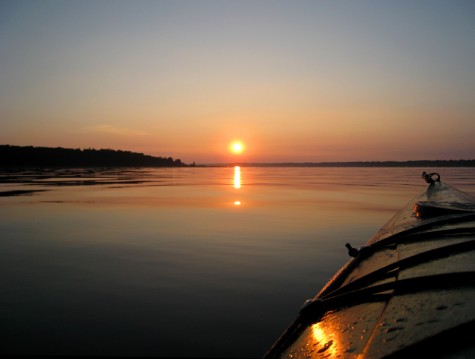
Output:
(237, 177)
(237, 182)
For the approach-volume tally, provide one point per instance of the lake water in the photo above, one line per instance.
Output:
(186, 262)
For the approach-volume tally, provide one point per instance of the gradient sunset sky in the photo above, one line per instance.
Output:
(293, 80)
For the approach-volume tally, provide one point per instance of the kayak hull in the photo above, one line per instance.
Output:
(410, 288)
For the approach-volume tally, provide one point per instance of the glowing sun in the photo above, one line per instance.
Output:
(237, 147)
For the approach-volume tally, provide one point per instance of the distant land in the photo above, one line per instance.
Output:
(29, 156)
(417, 163)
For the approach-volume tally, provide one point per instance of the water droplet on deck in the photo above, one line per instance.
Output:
(393, 329)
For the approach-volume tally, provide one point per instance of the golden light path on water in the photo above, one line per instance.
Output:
(237, 182)
(237, 177)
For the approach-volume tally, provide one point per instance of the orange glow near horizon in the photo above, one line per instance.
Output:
(229, 101)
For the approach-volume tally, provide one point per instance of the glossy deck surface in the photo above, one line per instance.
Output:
(411, 288)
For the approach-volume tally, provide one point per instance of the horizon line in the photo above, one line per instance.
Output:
(389, 163)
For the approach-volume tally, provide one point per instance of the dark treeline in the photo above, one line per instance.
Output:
(11, 156)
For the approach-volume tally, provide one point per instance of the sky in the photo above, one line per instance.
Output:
(295, 81)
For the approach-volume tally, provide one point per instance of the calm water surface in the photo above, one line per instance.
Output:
(194, 262)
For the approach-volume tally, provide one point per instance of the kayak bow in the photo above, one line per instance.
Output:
(410, 290)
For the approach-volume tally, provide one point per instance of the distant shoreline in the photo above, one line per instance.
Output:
(42, 157)
(29, 156)
(416, 163)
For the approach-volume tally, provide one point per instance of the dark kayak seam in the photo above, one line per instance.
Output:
(421, 229)
(401, 237)
(405, 263)
(391, 243)
(315, 309)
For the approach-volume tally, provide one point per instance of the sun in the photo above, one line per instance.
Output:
(236, 147)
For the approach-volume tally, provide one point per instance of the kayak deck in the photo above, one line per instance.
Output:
(411, 287)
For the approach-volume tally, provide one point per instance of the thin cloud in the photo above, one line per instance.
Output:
(114, 130)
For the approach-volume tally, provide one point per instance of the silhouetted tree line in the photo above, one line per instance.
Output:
(66, 157)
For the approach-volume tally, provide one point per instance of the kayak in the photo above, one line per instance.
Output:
(409, 291)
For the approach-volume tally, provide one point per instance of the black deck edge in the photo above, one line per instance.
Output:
(446, 343)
